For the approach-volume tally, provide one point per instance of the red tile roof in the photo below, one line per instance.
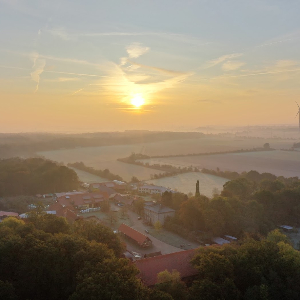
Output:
(180, 261)
(80, 199)
(8, 213)
(134, 234)
(63, 211)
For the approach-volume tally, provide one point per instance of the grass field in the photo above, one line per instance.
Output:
(186, 183)
(280, 163)
(106, 156)
(88, 177)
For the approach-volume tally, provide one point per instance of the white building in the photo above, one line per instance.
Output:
(157, 212)
(153, 189)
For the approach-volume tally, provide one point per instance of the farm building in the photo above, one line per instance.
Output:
(4, 214)
(134, 235)
(82, 201)
(61, 211)
(152, 189)
(157, 212)
(180, 261)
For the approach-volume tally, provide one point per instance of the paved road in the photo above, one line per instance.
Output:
(157, 245)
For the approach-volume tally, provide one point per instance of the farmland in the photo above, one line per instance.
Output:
(87, 177)
(185, 183)
(105, 157)
(280, 163)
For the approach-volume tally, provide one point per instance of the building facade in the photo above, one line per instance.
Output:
(157, 212)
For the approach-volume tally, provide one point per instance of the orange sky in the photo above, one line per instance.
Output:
(79, 68)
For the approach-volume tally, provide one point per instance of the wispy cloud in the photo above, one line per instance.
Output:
(37, 68)
(181, 38)
(221, 59)
(135, 50)
(164, 71)
(61, 33)
(232, 65)
(64, 79)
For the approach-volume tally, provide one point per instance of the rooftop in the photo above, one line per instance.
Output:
(180, 261)
(8, 213)
(132, 233)
(160, 209)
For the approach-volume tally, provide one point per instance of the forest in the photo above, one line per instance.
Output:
(47, 258)
(34, 176)
(252, 202)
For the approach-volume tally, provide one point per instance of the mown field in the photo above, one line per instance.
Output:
(280, 163)
(186, 183)
(106, 156)
(87, 177)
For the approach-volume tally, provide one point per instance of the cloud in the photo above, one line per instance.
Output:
(181, 38)
(221, 59)
(161, 70)
(64, 79)
(62, 34)
(118, 83)
(135, 50)
(37, 69)
(232, 65)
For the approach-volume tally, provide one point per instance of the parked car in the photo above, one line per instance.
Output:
(146, 230)
(139, 218)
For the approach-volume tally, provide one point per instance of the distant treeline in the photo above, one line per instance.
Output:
(28, 144)
(101, 173)
(215, 152)
(34, 176)
(169, 170)
(296, 145)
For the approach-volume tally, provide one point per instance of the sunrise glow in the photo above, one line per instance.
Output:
(137, 101)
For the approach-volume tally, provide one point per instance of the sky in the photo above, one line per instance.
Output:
(77, 66)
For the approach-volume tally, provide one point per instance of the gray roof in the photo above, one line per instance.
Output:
(160, 209)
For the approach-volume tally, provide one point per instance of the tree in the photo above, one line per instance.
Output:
(170, 282)
(262, 269)
(139, 206)
(7, 291)
(134, 179)
(197, 193)
(93, 231)
(166, 199)
(157, 226)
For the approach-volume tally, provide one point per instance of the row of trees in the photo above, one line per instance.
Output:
(169, 170)
(101, 173)
(34, 176)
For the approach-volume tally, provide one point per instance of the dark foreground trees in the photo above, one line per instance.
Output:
(80, 264)
(256, 270)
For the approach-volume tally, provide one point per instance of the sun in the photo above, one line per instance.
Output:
(137, 100)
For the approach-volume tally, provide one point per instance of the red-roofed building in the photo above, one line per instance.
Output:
(4, 214)
(82, 201)
(63, 212)
(135, 235)
(180, 261)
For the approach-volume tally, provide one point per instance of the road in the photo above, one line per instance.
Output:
(157, 245)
